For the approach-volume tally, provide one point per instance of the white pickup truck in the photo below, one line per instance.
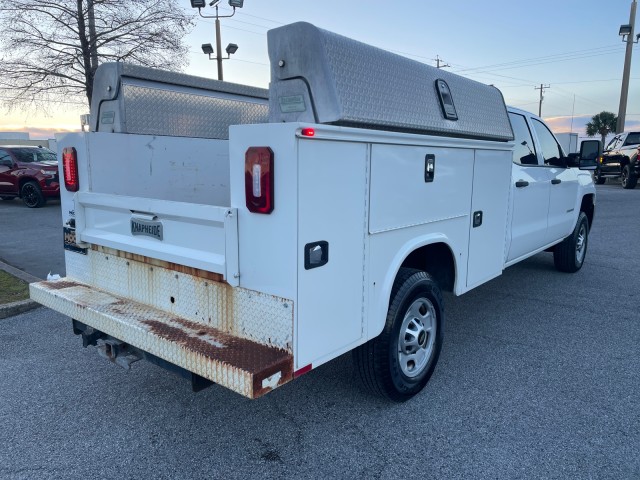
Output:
(244, 237)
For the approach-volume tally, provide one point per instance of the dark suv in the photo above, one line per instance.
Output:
(620, 159)
(30, 173)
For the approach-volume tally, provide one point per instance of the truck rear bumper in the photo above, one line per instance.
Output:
(244, 366)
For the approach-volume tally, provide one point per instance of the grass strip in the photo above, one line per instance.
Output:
(12, 289)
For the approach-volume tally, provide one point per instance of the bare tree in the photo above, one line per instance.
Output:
(50, 49)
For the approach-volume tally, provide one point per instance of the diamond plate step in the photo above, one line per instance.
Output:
(244, 366)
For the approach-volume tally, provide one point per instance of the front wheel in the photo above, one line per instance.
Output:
(32, 195)
(399, 362)
(568, 255)
(628, 179)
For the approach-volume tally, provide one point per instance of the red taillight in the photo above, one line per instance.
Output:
(70, 168)
(308, 132)
(258, 179)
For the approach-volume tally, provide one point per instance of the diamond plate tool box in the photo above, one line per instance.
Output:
(322, 77)
(134, 99)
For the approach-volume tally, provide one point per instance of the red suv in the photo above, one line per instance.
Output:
(30, 173)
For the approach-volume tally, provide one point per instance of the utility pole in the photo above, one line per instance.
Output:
(440, 63)
(541, 88)
(622, 110)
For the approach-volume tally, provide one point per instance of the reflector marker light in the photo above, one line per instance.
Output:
(70, 169)
(302, 371)
(308, 132)
(258, 179)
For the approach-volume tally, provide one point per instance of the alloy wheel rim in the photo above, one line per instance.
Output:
(30, 197)
(581, 243)
(417, 337)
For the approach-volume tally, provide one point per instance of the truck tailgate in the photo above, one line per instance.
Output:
(159, 197)
(199, 236)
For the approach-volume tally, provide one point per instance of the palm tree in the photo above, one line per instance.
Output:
(602, 123)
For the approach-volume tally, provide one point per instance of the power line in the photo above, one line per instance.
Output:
(576, 53)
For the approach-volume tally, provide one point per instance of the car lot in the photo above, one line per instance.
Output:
(31, 238)
(539, 378)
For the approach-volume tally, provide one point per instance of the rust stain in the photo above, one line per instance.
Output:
(59, 284)
(196, 272)
(258, 360)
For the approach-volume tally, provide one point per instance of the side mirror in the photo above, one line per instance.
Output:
(573, 160)
(558, 162)
(590, 151)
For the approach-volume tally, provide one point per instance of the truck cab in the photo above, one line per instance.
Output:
(547, 190)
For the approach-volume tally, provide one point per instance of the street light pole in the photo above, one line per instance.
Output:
(206, 48)
(218, 46)
(624, 93)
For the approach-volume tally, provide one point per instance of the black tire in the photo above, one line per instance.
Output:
(598, 178)
(569, 255)
(32, 195)
(628, 179)
(384, 363)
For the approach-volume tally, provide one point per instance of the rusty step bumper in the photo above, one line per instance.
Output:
(244, 366)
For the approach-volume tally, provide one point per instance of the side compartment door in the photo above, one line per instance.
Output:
(333, 197)
(530, 183)
(491, 179)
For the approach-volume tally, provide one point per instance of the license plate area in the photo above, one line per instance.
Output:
(148, 228)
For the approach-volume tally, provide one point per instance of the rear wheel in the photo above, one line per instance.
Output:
(628, 179)
(568, 255)
(32, 195)
(399, 362)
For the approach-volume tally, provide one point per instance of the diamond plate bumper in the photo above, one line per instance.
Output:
(244, 366)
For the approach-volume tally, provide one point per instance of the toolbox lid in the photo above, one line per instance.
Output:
(321, 77)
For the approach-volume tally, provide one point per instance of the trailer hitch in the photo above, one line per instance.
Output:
(90, 335)
(123, 354)
(117, 352)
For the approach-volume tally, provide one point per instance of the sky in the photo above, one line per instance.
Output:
(571, 46)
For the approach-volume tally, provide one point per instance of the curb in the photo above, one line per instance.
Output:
(10, 309)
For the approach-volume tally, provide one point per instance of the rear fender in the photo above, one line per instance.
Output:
(381, 300)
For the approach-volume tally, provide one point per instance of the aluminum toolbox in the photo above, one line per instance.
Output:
(321, 77)
(134, 99)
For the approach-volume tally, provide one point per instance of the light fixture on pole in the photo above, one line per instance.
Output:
(626, 32)
(207, 49)
(232, 47)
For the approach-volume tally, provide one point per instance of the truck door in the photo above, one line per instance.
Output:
(564, 186)
(530, 187)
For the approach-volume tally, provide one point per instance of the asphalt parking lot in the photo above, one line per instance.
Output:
(539, 378)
